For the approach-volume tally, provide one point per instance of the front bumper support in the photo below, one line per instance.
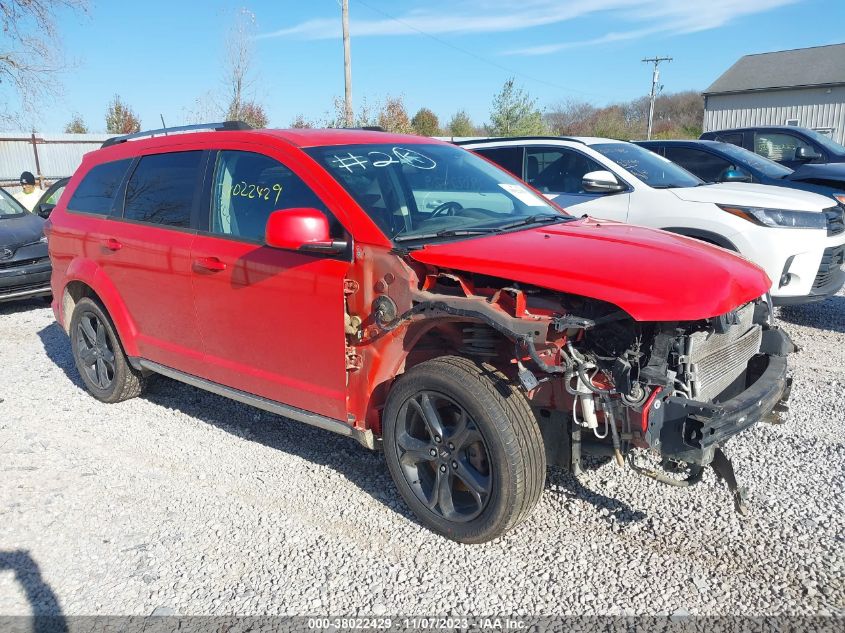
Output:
(690, 431)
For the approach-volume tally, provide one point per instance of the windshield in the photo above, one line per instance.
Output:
(9, 206)
(825, 141)
(428, 191)
(764, 165)
(651, 168)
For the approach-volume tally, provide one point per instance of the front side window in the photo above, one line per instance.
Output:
(825, 141)
(96, 192)
(54, 197)
(707, 166)
(431, 191)
(162, 189)
(651, 168)
(9, 206)
(776, 146)
(248, 187)
(555, 170)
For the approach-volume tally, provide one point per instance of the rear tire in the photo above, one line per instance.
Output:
(464, 449)
(99, 356)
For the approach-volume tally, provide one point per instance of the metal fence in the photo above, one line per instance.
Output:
(48, 156)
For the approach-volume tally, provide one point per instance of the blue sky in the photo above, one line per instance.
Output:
(443, 54)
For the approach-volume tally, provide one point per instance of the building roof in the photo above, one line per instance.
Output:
(801, 67)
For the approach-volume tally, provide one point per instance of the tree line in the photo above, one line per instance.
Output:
(513, 113)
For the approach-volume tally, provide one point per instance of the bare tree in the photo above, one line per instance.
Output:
(239, 73)
(30, 55)
(570, 117)
(301, 123)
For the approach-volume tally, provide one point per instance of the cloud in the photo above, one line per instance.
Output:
(646, 17)
(468, 16)
(676, 19)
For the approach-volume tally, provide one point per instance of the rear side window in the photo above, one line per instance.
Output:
(734, 138)
(706, 166)
(162, 189)
(509, 158)
(96, 192)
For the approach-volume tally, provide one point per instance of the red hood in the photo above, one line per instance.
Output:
(652, 275)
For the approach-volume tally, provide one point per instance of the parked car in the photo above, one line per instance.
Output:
(714, 161)
(24, 262)
(789, 145)
(45, 205)
(793, 235)
(405, 292)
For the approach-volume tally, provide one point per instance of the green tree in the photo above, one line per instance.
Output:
(120, 119)
(393, 117)
(460, 125)
(426, 123)
(76, 126)
(515, 113)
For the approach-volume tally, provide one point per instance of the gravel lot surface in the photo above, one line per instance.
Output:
(184, 502)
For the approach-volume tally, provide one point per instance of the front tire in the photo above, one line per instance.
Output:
(464, 449)
(99, 356)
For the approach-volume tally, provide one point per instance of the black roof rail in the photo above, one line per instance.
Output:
(500, 139)
(222, 126)
(368, 128)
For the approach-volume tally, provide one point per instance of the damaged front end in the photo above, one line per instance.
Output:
(600, 382)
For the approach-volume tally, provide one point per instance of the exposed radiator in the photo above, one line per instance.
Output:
(716, 360)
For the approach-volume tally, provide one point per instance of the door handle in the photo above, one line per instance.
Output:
(209, 263)
(112, 244)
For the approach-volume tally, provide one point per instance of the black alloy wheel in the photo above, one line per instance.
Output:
(443, 456)
(95, 352)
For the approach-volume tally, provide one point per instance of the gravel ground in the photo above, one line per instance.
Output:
(184, 502)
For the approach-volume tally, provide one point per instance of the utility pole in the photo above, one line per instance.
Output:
(347, 63)
(655, 77)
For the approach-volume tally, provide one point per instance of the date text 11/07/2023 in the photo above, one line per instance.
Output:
(418, 623)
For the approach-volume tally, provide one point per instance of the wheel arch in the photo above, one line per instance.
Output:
(423, 341)
(86, 279)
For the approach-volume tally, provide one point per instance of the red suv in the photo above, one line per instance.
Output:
(412, 295)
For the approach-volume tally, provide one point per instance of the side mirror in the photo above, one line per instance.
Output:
(601, 182)
(301, 230)
(45, 209)
(805, 153)
(735, 175)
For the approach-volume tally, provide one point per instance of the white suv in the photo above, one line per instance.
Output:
(797, 237)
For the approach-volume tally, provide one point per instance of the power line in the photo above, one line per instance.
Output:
(476, 56)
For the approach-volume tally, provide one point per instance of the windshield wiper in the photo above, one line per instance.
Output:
(444, 233)
(542, 218)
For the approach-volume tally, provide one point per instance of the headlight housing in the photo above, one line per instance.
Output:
(783, 218)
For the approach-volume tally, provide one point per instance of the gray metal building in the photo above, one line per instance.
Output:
(48, 156)
(804, 87)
